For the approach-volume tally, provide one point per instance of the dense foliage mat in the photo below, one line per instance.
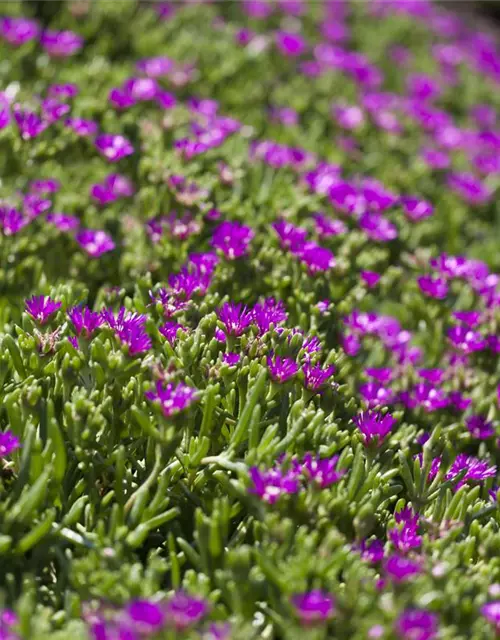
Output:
(249, 321)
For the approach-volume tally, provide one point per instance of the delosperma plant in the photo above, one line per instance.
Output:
(250, 321)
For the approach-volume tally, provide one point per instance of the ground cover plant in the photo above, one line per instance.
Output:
(250, 306)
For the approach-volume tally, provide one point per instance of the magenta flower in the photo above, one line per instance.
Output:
(235, 317)
(476, 470)
(350, 117)
(231, 359)
(45, 187)
(63, 222)
(174, 398)
(12, 220)
(84, 320)
(375, 394)
(313, 607)
(315, 376)
(113, 147)
(405, 536)
(322, 471)
(491, 611)
(270, 312)
(281, 369)
(81, 127)
(17, 31)
(169, 330)
(316, 258)
(377, 227)
(61, 44)
(351, 345)
(232, 238)
(115, 186)
(8, 443)
(372, 552)
(290, 44)
(327, 227)
(121, 99)
(434, 287)
(33, 205)
(52, 110)
(416, 209)
(183, 611)
(290, 236)
(371, 278)
(67, 90)
(40, 308)
(380, 374)
(469, 188)
(146, 617)
(400, 568)
(468, 318)
(95, 242)
(155, 67)
(271, 484)
(466, 340)
(374, 426)
(29, 123)
(479, 427)
(141, 89)
(417, 624)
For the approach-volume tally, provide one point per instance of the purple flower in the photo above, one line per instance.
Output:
(147, 617)
(115, 186)
(63, 222)
(169, 330)
(350, 117)
(52, 110)
(315, 376)
(155, 67)
(95, 242)
(40, 308)
(29, 123)
(290, 236)
(68, 90)
(182, 611)
(372, 552)
(322, 472)
(129, 328)
(33, 205)
(377, 227)
(468, 318)
(121, 99)
(44, 187)
(476, 470)
(271, 484)
(8, 443)
(235, 317)
(81, 127)
(351, 345)
(382, 374)
(326, 227)
(469, 188)
(417, 624)
(174, 398)
(375, 394)
(459, 401)
(316, 258)
(17, 31)
(290, 44)
(313, 607)
(281, 369)
(405, 537)
(479, 427)
(400, 568)
(374, 426)
(491, 611)
(84, 320)
(466, 340)
(231, 359)
(434, 376)
(435, 158)
(434, 287)
(416, 209)
(141, 89)
(232, 238)
(371, 278)
(12, 220)
(113, 147)
(270, 312)
(61, 44)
